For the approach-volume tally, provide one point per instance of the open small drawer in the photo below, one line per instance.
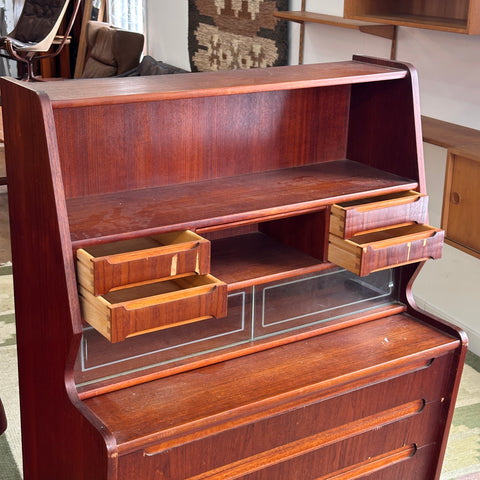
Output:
(386, 248)
(349, 218)
(105, 267)
(141, 309)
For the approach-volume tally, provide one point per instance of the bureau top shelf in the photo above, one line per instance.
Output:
(167, 87)
(225, 201)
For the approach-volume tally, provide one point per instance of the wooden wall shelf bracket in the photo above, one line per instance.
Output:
(302, 17)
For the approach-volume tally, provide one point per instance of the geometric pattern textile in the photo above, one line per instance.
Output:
(236, 34)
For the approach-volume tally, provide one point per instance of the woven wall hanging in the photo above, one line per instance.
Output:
(234, 34)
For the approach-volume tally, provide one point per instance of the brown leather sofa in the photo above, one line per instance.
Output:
(111, 51)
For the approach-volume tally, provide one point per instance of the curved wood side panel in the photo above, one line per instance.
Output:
(46, 304)
(385, 124)
(459, 356)
(399, 150)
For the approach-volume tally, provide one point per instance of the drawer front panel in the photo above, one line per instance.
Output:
(377, 452)
(182, 302)
(461, 199)
(421, 465)
(349, 218)
(305, 441)
(368, 253)
(102, 268)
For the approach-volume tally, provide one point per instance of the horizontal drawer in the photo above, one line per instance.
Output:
(141, 309)
(390, 247)
(105, 267)
(368, 423)
(349, 218)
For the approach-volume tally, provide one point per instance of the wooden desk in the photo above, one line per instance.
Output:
(253, 352)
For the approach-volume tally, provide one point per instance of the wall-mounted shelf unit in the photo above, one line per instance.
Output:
(302, 17)
(458, 16)
(380, 18)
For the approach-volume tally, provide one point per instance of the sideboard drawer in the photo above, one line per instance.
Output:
(390, 247)
(140, 309)
(104, 267)
(349, 218)
(395, 415)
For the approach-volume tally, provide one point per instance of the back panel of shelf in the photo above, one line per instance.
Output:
(196, 139)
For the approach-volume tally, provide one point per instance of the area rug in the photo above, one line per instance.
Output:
(236, 34)
(10, 441)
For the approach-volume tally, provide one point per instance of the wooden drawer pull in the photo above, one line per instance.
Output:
(455, 198)
(291, 450)
(373, 464)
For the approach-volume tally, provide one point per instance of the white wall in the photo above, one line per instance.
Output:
(167, 31)
(448, 66)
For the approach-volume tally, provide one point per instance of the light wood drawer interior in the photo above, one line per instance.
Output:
(349, 218)
(141, 309)
(390, 247)
(381, 232)
(105, 267)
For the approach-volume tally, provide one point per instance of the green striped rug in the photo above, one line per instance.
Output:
(462, 459)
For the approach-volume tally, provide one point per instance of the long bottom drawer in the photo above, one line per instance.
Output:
(378, 451)
(362, 431)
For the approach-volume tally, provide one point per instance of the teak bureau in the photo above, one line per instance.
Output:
(213, 277)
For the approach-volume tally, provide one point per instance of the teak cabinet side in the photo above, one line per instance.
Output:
(258, 233)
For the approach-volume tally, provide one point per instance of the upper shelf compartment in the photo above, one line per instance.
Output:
(458, 16)
(212, 149)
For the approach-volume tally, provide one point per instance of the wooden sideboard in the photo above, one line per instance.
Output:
(461, 195)
(213, 276)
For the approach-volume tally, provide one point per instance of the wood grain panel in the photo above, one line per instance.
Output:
(192, 140)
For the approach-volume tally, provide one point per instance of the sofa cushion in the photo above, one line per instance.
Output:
(112, 51)
(95, 69)
(150, 66)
